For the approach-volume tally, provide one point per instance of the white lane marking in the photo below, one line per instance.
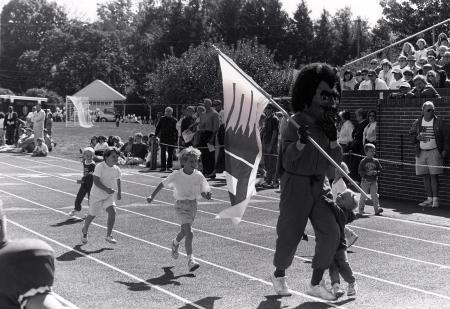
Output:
(182, 299)
(272, 250)
(161, 247)
(275, 211)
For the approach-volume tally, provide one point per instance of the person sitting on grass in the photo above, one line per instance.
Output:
(138, 151)
(41, 149)
(126, 148)
(105, 191)
(99, 148)
(189, 185)
(343, 209)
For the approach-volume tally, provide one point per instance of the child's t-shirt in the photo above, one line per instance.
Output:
(108, 176)
(186, 187)
(367, 165)
(43, 148)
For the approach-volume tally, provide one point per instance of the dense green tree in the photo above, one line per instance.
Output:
(226, 21)
(52, 96)
(342, 22)
(24, 24)
(302, 34)
(323, 43)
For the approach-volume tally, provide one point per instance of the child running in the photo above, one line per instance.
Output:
(86, 181)
(189, 185)
(343, 209)
(104, 192)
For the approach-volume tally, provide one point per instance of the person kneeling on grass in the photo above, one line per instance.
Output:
(189, 185)
(41, 149)
(103, 194)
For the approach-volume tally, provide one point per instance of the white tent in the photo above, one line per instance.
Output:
(100, 93)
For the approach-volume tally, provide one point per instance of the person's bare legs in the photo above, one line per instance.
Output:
(111, 210)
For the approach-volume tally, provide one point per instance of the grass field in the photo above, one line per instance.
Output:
(401, 259)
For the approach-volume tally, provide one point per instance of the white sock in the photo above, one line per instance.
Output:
(435, 198)
(189, 256)
(430, 198)
(175, 242)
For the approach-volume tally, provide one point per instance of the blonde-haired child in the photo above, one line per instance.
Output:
(86, 181)
(189, 185)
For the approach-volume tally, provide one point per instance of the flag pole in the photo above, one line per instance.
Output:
(290, 119)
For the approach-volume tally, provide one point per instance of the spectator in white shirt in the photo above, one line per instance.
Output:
(421, 52)
(374, 83)
(397, 80)
(386, 72)
(345, 137)
(41, 149)
(370, 131)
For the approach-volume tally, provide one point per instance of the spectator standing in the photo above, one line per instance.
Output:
(2, 132)
(49, 124)
(430, 135)
(270, 145)
(10, 125)
(374, 66)
(187, 124)
(345, 137)
(29, 119)
(220, 140)
(208, 127)
(370, 131)
(422, 89)
(357, 146)
(166, 129)
(373, 83)
(38, 123)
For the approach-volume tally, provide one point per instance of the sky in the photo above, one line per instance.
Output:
(367, 9)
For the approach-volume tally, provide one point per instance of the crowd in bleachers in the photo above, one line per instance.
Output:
(415, 73)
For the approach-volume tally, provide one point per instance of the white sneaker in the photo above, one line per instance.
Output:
(111, 239)
(337, 291)
(320, 291)
(73, 212)
(193, 265)
(352, 288)
(280, 285)
(175, 253)
(84, 238)
(435, 202)
(426, 203)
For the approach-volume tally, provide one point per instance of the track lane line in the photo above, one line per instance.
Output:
(269, 249)
(167, 249)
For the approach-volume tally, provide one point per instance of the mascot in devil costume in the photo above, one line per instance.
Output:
(306, 189)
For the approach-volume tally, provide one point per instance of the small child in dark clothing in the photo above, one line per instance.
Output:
(343, 211)
(86, 181)
(369, 170)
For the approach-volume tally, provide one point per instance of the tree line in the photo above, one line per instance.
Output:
(160, 51)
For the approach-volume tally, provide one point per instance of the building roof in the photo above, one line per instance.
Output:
(22, 98)
(100, 91)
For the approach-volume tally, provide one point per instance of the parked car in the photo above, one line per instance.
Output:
(107, 114)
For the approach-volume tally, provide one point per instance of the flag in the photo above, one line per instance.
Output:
(244, 102)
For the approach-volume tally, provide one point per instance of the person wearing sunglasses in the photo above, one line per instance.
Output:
(422, 89)
(373, 82)
(430, 136)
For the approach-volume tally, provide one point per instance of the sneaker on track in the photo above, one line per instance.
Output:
(352, 288)
(426, 203)
(337, 291)
(193, 265)
(320, 291)
(111, 239)
(280, 285)
(73, 213)
(84, 238)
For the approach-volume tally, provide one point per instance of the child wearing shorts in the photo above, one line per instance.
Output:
(343, 208)
(189, 185)
(105, 191)
(86, 181)
(369, 170)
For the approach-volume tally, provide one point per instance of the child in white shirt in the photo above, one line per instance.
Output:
(189, 185)
(41, 149)
(104, 192)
